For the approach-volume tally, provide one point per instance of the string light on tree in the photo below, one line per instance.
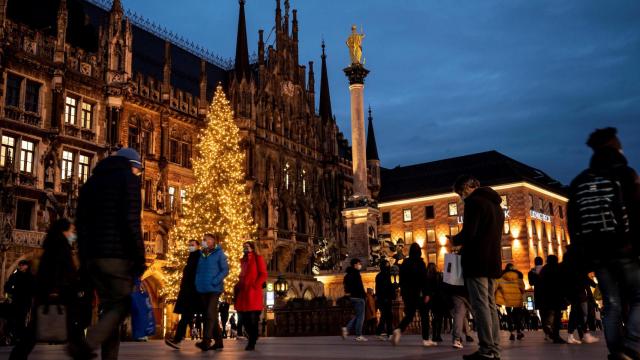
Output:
(218, 201)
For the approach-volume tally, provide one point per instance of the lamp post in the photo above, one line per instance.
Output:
(281, 286)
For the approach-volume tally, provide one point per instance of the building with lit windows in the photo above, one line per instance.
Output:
(417, 204)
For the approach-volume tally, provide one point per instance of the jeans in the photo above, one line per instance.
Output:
(620, 279)
(515, 319)
(551, 322)
(578, 318)
(357, 321)
(459, 314)
(113, 281)
(482, 298)
(386, 317)
(410, 307)
(211, 323)
(251, 321)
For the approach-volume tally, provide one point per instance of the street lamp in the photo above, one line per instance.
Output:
(281, 286)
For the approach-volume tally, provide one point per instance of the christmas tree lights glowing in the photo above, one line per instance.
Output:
(217, 202)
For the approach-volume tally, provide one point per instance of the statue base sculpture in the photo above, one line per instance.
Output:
(361, 223)
(356, 73)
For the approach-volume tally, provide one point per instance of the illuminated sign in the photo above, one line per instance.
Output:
(271, 298)
(540, 216)
(269, 286)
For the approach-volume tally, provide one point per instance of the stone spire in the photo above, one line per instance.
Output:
(372, 147)
(242, 68)
(325, 97)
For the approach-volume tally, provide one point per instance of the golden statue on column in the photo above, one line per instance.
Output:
(354, 43)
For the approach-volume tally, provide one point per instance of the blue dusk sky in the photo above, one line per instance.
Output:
(528, 78)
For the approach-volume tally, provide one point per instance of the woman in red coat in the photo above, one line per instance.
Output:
(248, 303)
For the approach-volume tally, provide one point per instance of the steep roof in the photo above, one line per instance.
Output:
(437, 177)
(372, 146)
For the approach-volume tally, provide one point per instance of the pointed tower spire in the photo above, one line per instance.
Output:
(242, 68)
(372, 146)
(117, 6)
(325, 97)
(62, 20)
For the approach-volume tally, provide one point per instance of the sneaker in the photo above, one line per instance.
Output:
(361, 338)
(204, 345)
(512, 337)
(429, 343)
(382, 337)
(469, 339)
(572, 340)
(457, 344)
(217, 346)
(590, 339)
(520, 336)
(395, 337)
(476, 356)
(172, 343)
(344, 333)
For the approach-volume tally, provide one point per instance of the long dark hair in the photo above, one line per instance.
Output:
(54, 237)
(415, 252)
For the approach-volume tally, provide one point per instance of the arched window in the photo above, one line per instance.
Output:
(286, 175)
(303, 177)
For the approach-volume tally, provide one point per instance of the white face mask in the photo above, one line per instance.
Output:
(193, 248)
(358, 266)
(72, 238)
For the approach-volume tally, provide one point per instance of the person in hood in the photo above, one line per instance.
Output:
(249, 293)
(210, 273)
(480, 242)
(188, 302)
(385, 294)
(417, 293)
(608, 243)
(509, 293)
(110, 245)
(354, 289)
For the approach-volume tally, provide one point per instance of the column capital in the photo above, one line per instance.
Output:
(356, 73)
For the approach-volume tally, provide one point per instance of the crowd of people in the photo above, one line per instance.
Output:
(603, 217)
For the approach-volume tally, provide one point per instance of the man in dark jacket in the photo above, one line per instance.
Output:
(480, 239)
(385, 294)
(21, 288)
(354, 289)
(611, 250)
(188, 302)
(110, 246)
(551, 299)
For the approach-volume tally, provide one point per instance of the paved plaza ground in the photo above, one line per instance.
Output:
(311, 348)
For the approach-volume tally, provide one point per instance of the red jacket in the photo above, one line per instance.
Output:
(253, 273)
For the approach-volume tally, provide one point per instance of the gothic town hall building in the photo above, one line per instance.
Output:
(80, 78)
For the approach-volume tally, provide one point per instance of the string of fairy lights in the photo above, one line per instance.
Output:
(217, 202)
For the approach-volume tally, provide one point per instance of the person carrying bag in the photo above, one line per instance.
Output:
(143, 322)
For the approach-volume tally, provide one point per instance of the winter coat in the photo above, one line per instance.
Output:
(385, 291)
(108, 214)
(613, 165)
(481, 234)
(413, 279)
(21, 286)
(353, 283)
(211, 270)
(188, 301)
(551, 289)
(510, 289)
(249, 293)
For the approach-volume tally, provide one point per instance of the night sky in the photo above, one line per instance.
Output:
(530, 79)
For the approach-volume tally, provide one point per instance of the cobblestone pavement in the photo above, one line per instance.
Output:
(410, 347)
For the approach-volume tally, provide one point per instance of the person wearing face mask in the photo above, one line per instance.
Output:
(249, 293)
(58, 282)
(354, 289)
(188, 302)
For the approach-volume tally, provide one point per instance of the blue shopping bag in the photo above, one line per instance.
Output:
(143, 322)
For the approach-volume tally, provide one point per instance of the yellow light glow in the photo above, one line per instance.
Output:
(218, 202)
(516, 244)
(420, 241)
(515, 230)
(442, 240)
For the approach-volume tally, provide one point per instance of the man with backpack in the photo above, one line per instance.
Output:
(604, 220)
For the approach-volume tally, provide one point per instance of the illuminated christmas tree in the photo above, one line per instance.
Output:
(218, 202)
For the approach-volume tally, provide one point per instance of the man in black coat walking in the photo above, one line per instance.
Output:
(110, 245)
(385, 294)
(21, 287)
(480, 239)
(188, 302)
(354, 289)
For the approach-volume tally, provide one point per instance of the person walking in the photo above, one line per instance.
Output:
(20, 288)
(578, 288)
(210, 273)
(385, 294)
(459, 307)
(480, 240)
(370, 312)
(604, 223)
(57, 282)
(416, 294)
(437, 303)
(551, 299)
(188, 302)
(249, 293)
(509, 293)
(354, 289)
(223, 308)
(110, 245)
